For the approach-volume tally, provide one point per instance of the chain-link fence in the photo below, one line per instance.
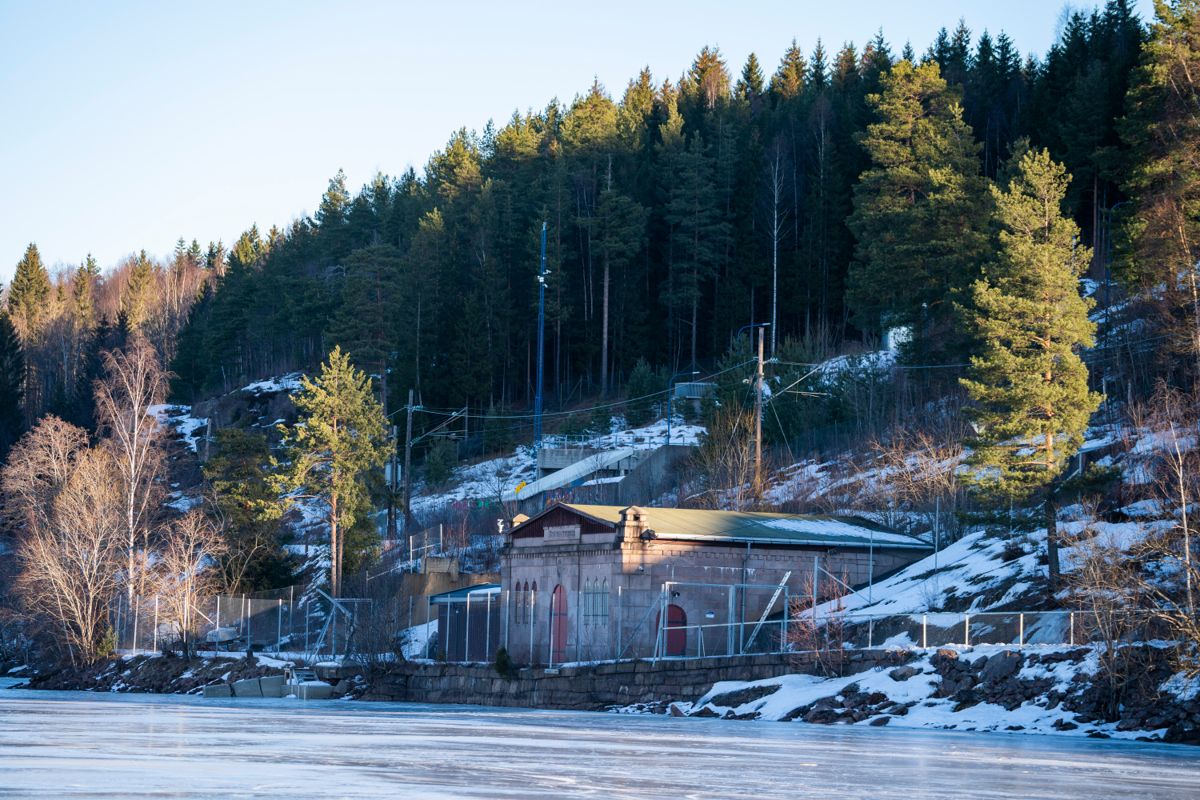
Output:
(300, 620)
(591, 624)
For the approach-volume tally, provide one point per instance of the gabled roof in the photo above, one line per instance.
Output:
(687, 524)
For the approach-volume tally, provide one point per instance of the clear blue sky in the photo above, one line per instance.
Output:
(128, 125)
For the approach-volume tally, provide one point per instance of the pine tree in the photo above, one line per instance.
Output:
(12, 378)
(1028, 384)
(621, 233)
(919, 211)
(29, 294)
(254, 558)
(364, 324)
(331, 453)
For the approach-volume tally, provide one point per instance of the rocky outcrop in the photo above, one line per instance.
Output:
(151, 674)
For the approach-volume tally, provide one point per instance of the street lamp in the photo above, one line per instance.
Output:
(671, 397)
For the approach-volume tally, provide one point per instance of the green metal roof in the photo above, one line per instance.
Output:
(759, 527)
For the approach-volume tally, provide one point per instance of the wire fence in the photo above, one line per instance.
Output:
(550, 629)
(298, 619)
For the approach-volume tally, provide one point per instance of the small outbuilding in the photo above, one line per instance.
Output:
(468, 623)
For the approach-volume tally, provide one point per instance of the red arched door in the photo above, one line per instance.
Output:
(558, 625)
(675, 634)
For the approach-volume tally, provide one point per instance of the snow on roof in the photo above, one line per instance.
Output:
(759, 527)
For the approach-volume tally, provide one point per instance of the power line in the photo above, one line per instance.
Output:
(614, 404)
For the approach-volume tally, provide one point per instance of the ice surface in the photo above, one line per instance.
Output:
(75, 745)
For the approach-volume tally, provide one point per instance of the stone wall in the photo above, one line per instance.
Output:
(599, 686)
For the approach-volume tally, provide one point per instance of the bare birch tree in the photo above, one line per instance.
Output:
(134, 381)
(185, 571)
(70, 567)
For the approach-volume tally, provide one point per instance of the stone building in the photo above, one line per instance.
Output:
(584, 582)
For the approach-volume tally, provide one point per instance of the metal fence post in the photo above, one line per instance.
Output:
(870, 633)
(467, 636)
(487, 637)
(306, 631)
(967, 630)
(1072, 628)
(578, 623)
(620, 621)
(156, 623)
(1021, 630)
(279, 625)
(924, 631)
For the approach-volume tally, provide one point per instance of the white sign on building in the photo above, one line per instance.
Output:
(560, 533)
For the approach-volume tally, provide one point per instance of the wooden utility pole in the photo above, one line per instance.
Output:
(758, 409)
(408, 518)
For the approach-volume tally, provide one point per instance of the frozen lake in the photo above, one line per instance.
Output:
(76, 745)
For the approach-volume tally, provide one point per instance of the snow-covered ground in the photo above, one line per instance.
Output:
(74, 745)
(916, 685)
(180, 420)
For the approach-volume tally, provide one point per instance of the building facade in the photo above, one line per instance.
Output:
(586, 583)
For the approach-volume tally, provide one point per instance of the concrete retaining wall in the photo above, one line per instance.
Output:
(595, 687)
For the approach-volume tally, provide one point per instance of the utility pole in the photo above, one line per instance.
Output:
(758, 409)
(541, 342)
(393, 468)
(408, 518)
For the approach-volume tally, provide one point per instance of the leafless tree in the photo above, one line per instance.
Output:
(134, 381)
(38, 468)
(920, 473)
(725, 462)
(70, 567)
(1107, 584)
(186, 571)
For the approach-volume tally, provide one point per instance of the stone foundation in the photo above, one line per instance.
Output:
(599, 686)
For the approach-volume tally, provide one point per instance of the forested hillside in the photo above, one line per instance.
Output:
(679, 210)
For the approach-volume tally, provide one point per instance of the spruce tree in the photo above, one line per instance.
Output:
(332, 451)
(254, 558)
(12, 379)
(919, 211)
(29, 294)
(1163, 130)
(139, 290)
(1028, 384)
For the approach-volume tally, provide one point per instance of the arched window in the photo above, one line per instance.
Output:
(515, 593)
(533, 604)
(525, 603)
(602, 603)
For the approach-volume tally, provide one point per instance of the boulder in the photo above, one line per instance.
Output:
(1001, 666)
(903, 673)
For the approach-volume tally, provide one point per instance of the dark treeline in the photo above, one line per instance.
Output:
(674, 212)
